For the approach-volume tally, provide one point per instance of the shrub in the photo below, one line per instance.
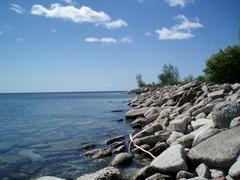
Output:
(224, 66)
(170, 75)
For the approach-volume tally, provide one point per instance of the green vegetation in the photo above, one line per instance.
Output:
(140, 81)
(170, 75)
(224, 66)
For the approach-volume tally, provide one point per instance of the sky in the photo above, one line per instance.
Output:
(100, 45)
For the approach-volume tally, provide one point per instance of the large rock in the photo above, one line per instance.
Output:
(115, 139)
(148, 130)
(216, 94)
(150, 140)
(121, 159)
(145, 172)
(134, 113)
(108, 173)
(171, 160)
(201, 122)
(234, 171)
(235, 122)
(180, 125)
(174, 136)
(203, 171)
(223, 113)
(98, 153)
(220, 150)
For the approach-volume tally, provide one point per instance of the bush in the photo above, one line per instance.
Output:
(224, 66)
(170, 75)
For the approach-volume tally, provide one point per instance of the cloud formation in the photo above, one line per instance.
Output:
(182, 30)
(126, 40)
(106, 40)
(181, 3)
(16, 8)
(83, 14)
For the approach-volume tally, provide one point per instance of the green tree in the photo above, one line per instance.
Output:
(170, 75)
(140, 81)
(188, 79)
(224, 66)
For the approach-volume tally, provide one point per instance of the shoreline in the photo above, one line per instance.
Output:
(182, 127)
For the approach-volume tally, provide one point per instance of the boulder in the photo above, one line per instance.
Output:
(148, 130)
(134, 113)
(203, 171)
(216, 94)
(119, 149)
(115, 139)
(201, 115)
(98, 153)
(185, 140)
(171, 160)
(108, 173)
(216, 173)
(158, 148)
(180, 125)
(121, 159)
(151, 111)
(156, 176)
(205, 134)
(145, 172)
(234, 171)
(220, 150)
(201, 122)
(150, 140)
(174, 136)
(223, 113)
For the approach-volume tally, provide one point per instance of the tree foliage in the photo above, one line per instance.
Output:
(170, 75)
(224, 66)
(140, 81)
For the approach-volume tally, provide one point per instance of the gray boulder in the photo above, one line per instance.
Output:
(171, 160)
(150, 140)
(156, 176)
(49, 178)
(108, 173)
(216, 173)
(134, 113)
(203, 171)
(216, 94)
(174, 136)
(148, 130)
(201, 122)
(220, 150)
(235, 122)
(121, 159)
(223, 113)
(180, 125)
(145, 172)
(184, 174)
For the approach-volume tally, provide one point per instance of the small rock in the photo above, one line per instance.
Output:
(228, 177)
(145, 172)
(171, 160)
(98, 153)
(216, 173)
(49, 178)
(235, 122)
(184, 174)
(121, 159)
(119, 120)
(117, 110)
(203, 171)
(201, 122)
(156, 176)
(234, 171)
(159, 148)
(110, 141)
(108, 173)
(119, 149)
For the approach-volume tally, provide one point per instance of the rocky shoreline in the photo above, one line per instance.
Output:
(189, 131)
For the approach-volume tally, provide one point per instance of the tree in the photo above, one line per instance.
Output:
(188, 79)
(140, 81)
(224, 66)
(170, 75)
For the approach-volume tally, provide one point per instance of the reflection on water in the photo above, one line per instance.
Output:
(42, 133)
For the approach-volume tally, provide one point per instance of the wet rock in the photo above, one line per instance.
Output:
(201, 122)
(220, 150)
(98, 153)
(235, 122)
(203, 171)
(134, 113)
(117, 144)
(184, 174)
(119, 120)
(30, 154)
(171, 160)
(108, 173)
(115, 139)
(121, 159)
(144, 146)
(119, 149)
(216, 173)
(174, 136)
(88, 146)
(223, 113)
(49, 178)
(234, 171)
(116, 110)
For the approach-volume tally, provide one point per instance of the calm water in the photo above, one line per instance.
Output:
(42, 133)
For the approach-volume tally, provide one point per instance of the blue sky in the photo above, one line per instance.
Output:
(81, 45)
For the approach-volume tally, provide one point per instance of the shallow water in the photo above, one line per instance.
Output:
(42, 133)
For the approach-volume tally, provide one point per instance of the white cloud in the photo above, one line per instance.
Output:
(182, 30)
(53, 30)
(106, 40)
(116, 24)
(147, 34)
(16, 8)
(126, 40)
(83, 14)
(19, 39)
(181, 3)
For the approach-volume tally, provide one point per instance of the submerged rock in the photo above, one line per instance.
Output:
(98, 153)
(49, 178)
(108, 173)
(115, 139)
(121, 159)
